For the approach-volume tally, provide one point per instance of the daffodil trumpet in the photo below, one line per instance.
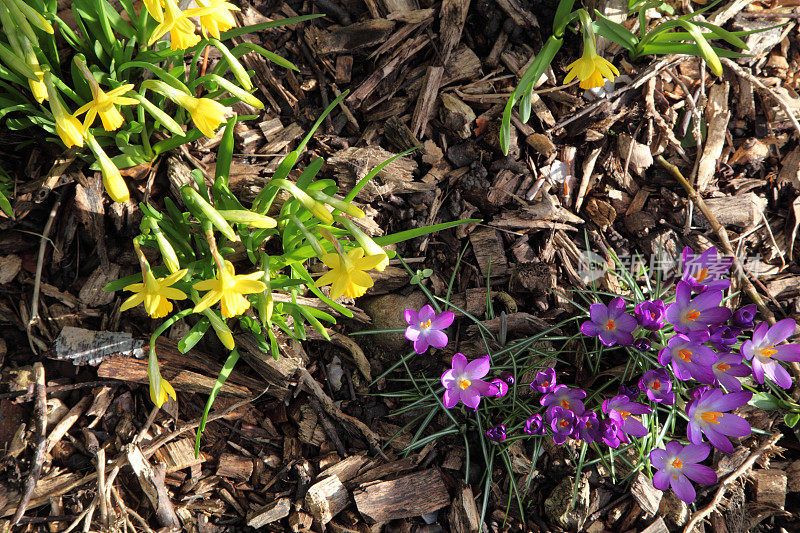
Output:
(177, 23)
(591, 69)
(207, 114)
(347, 272)
(365, 241)
(154, 293)
(68, 128)
(103, 103)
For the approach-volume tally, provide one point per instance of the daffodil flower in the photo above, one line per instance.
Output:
(103, 103)
(177, 23)
(155, 293)
(347, 276)
(219, 20)
(112, 179)
(68, 127)
(229, 289)
(166, 391)
(590, 68)
(155, 9)
(207, 114)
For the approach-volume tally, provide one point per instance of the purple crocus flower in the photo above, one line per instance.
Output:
(689, 314)
(497, 433)
(765, 352)
(704, 272)
(610, 323)
(562, 424)
(564, 398)
(689, 358)
(678, 464)
(534, 425)
(744, 316)
(620, 408)
(709, 416)
(722, 337)
(631, 391)
(463, 383)
(508, 377)
(657, 385)
(695, 392)
(545, 381)
(611, 433)
(500, 386)
(588, 427)
(650, 314)
(729, 367)
(425, 328)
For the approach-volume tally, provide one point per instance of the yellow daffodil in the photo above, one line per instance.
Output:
(104, 103)
(38, 88)
(177, 23)
(112, 179)
(166, 391)
(155, 293)
(207, 114)
(155, 9)
(591, 69)
(68, 127)
(346, 275)
(228, 288)
(221, 19)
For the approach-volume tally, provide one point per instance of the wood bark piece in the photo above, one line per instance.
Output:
(352, 164)
(235, 467)
(272, 512)
(152, 483)
(464, 515)
(718, 116)
(645, 494)
(40, 412)
(327, 498)
(657, 527)
(426, 100)
(487, 244)
(350, 38)
(771, 487)
(67, 422)
(521, 16)
(453, 15)
(413, 495)
(742, 210)
(178, 455)
(790, 169)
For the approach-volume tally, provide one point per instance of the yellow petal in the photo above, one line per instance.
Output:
(172, 293)
(207, 301)
(207, 284)
(175, 276)
(248, 286)
(132, 301)
(327, 278)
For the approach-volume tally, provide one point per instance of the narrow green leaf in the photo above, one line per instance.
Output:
(227, 368)
(195, 334)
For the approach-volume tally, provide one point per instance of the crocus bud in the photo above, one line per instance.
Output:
(500, 386)
(744, 316)
(497, 433)
(642, 344)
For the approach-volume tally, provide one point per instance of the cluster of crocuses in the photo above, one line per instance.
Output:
(704, 346)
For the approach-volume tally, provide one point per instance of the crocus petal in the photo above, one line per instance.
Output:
(787, 352)
(459, 363)
(634, 427)
(426, 313)
(449, 379)
(590, 329)
(421, 345)
(626, 322)
(658, 458)
(717, 315)
(472, 397)
(616, 307)
(436, 338)
(682, 488)
(780, 331)
(443, 320)
(451, 397)
(759, 333)
(733, 426)
(598, 313)
(728, 402)
(707, 300)
(661, 479)
(693, 432)
(477, 368)
(482, 387)
(758, 371)
(700, 474)
(413, 332)
(411, 317)
(694, 453)
(718, 440)
(778, 374)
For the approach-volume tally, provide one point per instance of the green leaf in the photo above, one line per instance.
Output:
(165, 76)
(236, 32)
(241, 49)
(372, 173)
(791, 419)
(418, 232)
(227, 368)
(562, 16)
(615, 32)
(728, 36)
(764, 400)
(194, 335)
(686, 48)
(5, 205)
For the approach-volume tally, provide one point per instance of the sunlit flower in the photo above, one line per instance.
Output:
(588, 427)
(689, 314)
(155, 9)
(463, 383)
(347, 276)
(610, 323)
(177, 23)
(744, 316)
(534, 425)
(590, 68)
(689, 357)
(500, 387)
(219, 20)
(704, 271)
(426, 328)
(105, 104)
(112, 179)
(68, 127)
(207, 114)
(620, 408)
(650, 314)
(167, 391)
(565, 398)
(657, 385)
(229, 289)
(708, 416)
(562, 422)
(765, 351)
(728, 368)
(677, 465)
(611, 433)
(155, 293)
(545, 381)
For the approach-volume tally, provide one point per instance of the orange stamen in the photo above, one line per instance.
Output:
(425, 324)
(610, 324)
(711, 417)
(686, 355)
(768, 352)
(565, 404)
(625, 414)
(677, 463)
(693, 315)
(723, 367)
(703, 274)
(564, 423)
(656, 385)
(464, 383)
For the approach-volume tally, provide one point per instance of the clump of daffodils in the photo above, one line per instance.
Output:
(138, 120)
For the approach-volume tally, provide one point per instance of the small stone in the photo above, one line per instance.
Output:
(386, 312)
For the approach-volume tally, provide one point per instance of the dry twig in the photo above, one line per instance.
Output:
(40, 412)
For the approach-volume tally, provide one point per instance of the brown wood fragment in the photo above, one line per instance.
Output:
(92, 293)
(151, 480)
(350, 38)
(411, 495)
(67, 422)
(272, 512)
(456, 115)
(658, 526)
(453, 15)
(344, 69)
(742, 210)
(487, 244)
(771, 487)
(352, 164)
(790, 169)
(464, 515)
(519, 13)
(282, 139)
(348, 468)
(327, 498)
(718, 116)
(40, 412)
(235, 467)
(178, 454)
(645, 494)
(426, 100)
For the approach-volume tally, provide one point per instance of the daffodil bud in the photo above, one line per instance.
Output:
(236, 67)
(337, 203)
(10, 58)
(33, 16)
(21, 22)
(201, 208)
(168, 254)
(370, 246)
(36, 85)
(242, 216)
(112, 180)
(160, 388)
(316, 208)
(68, 128)
(236, 91)
(220, 328)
